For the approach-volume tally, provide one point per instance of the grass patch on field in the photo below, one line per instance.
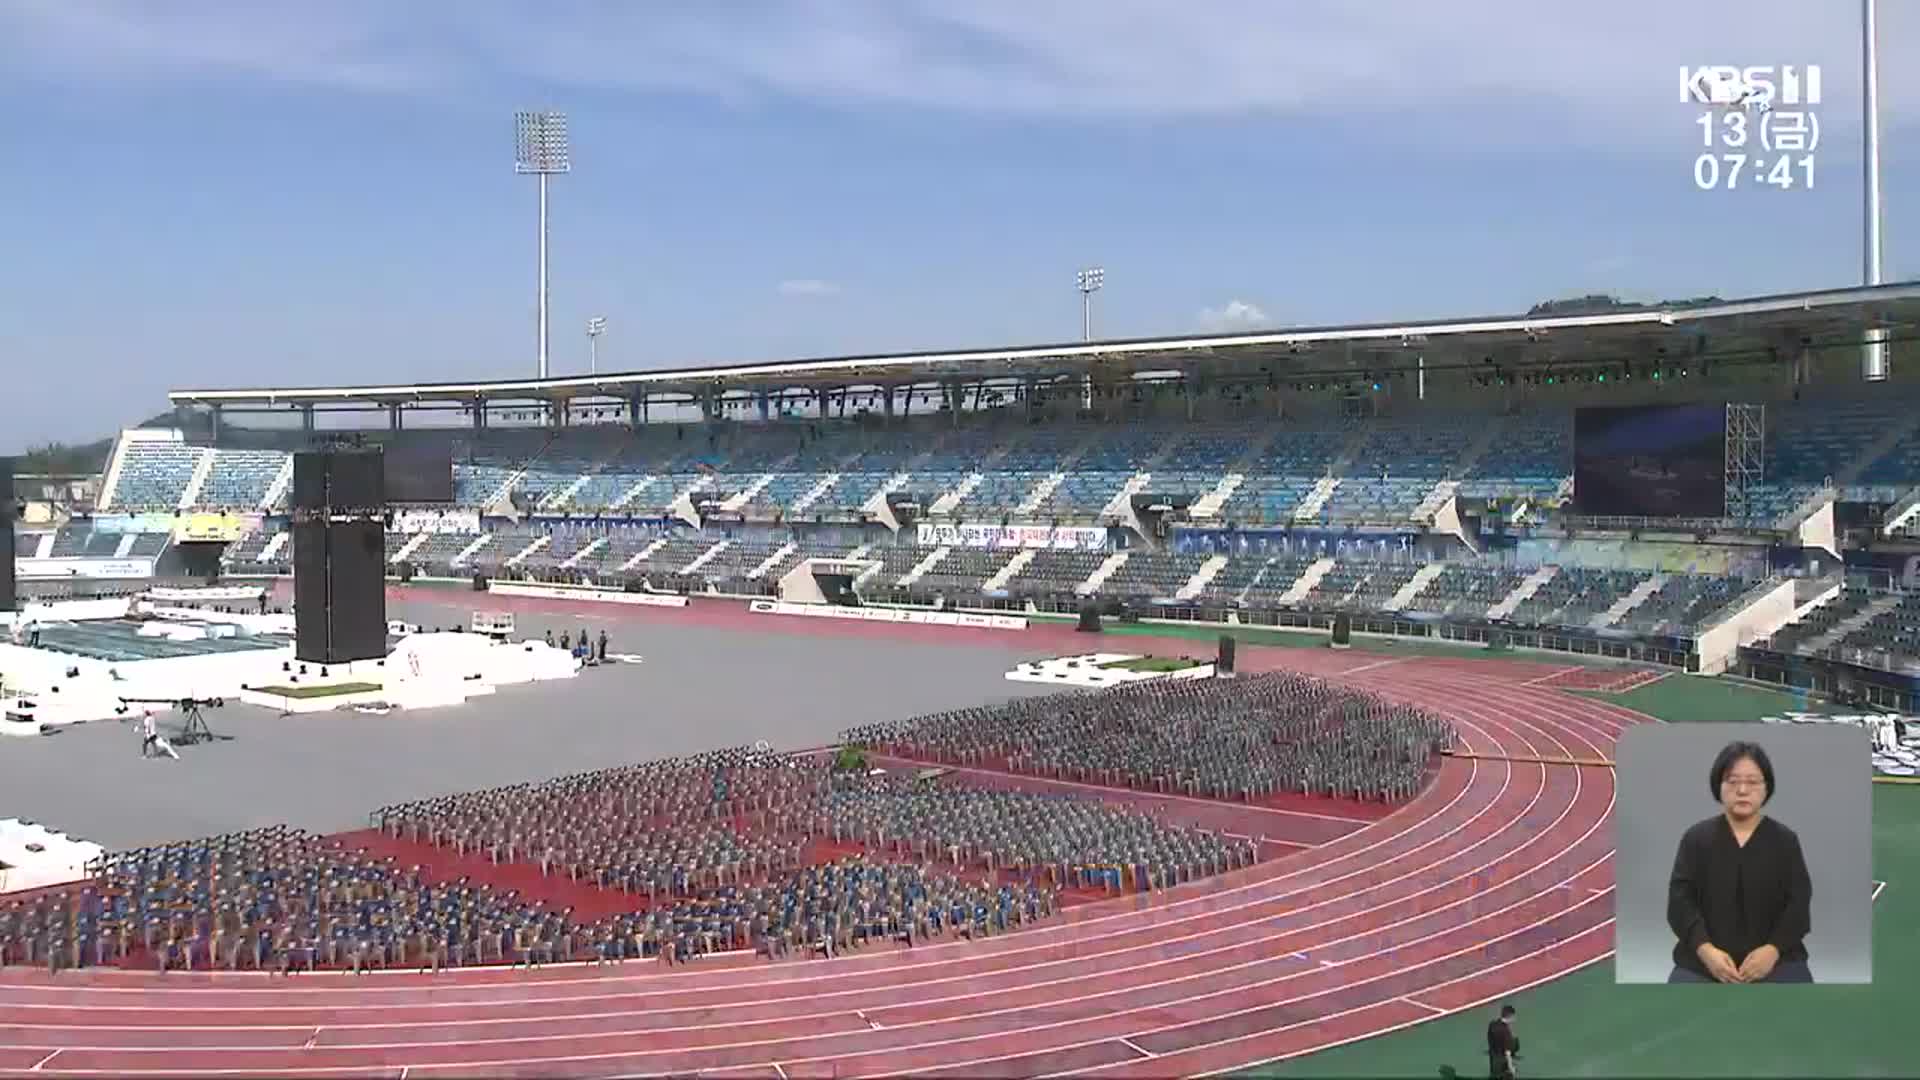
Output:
(330, 690)
(1681, 698)
(1152, 663)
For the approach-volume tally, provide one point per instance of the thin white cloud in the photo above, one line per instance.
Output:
(807, 287)
(1233, 315)
(1565, 69)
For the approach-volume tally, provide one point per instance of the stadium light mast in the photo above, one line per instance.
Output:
(540, 149)
(1089, 281)
(1873, 357)
(595, 327)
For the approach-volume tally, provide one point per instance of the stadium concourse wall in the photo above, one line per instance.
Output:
(756, 604)
(579, 592)
(1754, 617)
(1676, 653)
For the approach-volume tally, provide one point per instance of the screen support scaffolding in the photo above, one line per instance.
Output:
(1746, 459)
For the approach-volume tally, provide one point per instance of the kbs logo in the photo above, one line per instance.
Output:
(1759, 87)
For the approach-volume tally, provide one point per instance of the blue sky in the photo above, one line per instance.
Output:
(205, 193)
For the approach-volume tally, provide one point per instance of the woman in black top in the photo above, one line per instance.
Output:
(1738, 899)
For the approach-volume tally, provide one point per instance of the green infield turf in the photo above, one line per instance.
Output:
(330, 690)
(1584, 1025)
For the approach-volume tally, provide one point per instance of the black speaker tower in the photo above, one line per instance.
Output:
(1223, 664)
(9, 599)
(339, 556)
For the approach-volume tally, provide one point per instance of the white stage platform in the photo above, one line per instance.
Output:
(1087, 671)
(237, 658)
(34, 857)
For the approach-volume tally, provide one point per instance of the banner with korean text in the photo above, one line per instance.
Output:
(980, 535)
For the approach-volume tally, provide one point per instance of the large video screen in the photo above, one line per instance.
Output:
(419, 474)
(1650, 461)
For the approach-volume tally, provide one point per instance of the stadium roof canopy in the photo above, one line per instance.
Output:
(1785, 322)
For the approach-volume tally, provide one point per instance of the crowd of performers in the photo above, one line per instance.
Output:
(717, 850)
(746, 848)
(1242, 738)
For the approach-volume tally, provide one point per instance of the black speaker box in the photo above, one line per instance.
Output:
(9, 597)
(1342, 631)
(309, 481)
(339, 591)
(339, 479)
(1089, 620)
(1223, 664)
(357, 480)
(479, 583)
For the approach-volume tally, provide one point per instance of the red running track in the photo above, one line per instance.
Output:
(1495, 879)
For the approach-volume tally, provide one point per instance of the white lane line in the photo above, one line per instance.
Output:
(1418, 1004)
(1421, 846)
(44, 1060)
(1135, 1047)
(1536, 681)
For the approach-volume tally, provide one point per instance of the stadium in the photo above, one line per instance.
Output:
(870, 539)
(1247, 702)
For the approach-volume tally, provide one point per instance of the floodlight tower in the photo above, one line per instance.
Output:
(1873, 357)
(540, 149)
(595, 327)
(1089, 281)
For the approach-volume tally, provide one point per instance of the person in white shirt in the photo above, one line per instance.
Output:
(151, 741)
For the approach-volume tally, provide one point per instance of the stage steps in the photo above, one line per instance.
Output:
(1902, 512)
(639, 486)
(282, 480)
(814, 494)
(1316, 498)
(1100, 574)
(1634, 598)
(1848, 625)
(1041, 491)
(643, 554)
(1435, 499)
(706, 557)
(407, 549)
(561, 497)
(737, 501)
(948, 502)
(1414, 586)
(470, 550)
(877, 502)
(774, 559)
(1209, 505)
(1202, 577)
(202, 468)
(1135, 484)
(924, 566)
(539, 543)
(1007, 573)
(584, 553)
(1528, 586)
(1305, 582)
